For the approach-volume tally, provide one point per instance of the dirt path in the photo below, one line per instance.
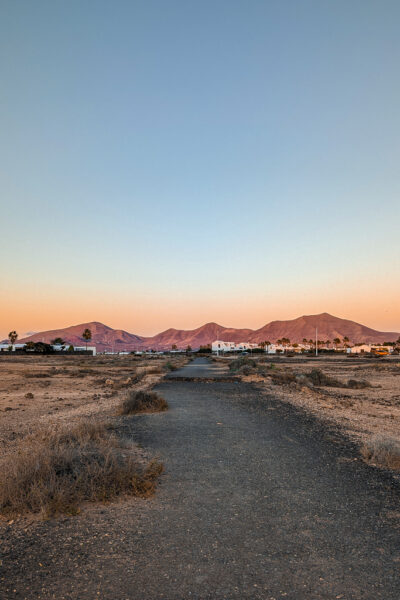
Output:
(258, 501)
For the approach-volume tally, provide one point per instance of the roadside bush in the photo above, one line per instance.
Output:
(142, 402)
(37, 375)
(170, 367)
(383, 451)
(358, 384)
(318, 378)
(283, 377)
(238, 363)
(55, 471)
(149, 370)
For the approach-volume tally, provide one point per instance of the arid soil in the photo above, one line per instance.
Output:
(53, 389)
(259, 500)
(362, 413)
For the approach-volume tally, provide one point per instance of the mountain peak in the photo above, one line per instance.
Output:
(329, 327)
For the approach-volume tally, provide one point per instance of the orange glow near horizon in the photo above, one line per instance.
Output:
(148, 315)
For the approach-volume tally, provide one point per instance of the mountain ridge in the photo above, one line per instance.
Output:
(107, 338)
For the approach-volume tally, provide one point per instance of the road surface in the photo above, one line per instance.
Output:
(258, 501)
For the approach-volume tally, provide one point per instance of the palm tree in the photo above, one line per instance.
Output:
(267, 344)
(345, 341)
(87, 336)
(328, 342)
(336, 341)
(174, 347)
(59, 341)
(189, 349)
(12, 336)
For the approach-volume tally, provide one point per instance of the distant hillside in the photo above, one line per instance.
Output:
(103, 337)
(329, 327)
(196, 337)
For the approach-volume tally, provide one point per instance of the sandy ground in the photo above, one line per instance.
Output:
(53, 389)
(259, 500)
(362, 413)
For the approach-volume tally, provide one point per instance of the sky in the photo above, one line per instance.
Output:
(169, 163)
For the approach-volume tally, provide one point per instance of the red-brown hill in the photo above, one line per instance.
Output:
(329, 327)
(206, 334)
(103, 337)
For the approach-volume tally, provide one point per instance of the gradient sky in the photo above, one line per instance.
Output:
(167, 163)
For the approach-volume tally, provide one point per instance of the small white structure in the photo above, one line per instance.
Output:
(83, 349)
(367, 348)
(6, 347)
(220, 346)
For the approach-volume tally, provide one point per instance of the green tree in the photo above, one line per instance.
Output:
(87, 336)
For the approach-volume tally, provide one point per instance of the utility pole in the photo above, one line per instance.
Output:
(316, 341)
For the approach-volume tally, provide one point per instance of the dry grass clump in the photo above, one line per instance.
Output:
(169, 366)
(318, 378)
(149, 370)
(142, 402)
(283, 377)
(243, 365)
(55, 471)
(37, 375)
(382, 451)
(358, 384)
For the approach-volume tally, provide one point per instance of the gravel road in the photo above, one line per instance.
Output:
(258, 501)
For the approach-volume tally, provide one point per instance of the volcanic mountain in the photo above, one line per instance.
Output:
(329, 328)
(206, 334)
(103, 337)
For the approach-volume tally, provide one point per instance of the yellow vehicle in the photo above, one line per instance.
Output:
(380, 351)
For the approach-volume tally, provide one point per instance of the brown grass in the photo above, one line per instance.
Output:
(142, 402)
(382, 451)
(55, 471)
(358, 384)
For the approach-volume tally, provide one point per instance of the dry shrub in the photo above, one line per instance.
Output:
(55, 471)
(358, 384)
(382, 451)
(169, 366)
(150, 370)
(238, 363)
(283, 378)
(318, 378)
(142, 402)
(37, 375)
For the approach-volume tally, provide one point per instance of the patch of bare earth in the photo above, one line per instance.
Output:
(65, 394)
(364, 401)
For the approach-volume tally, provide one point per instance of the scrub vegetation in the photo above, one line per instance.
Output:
(55, 471)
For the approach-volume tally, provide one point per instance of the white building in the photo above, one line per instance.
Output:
(6, 347)
(83, 348)
(220, 346)
(367, 348)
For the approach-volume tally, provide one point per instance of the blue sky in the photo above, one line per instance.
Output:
(238, 158)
